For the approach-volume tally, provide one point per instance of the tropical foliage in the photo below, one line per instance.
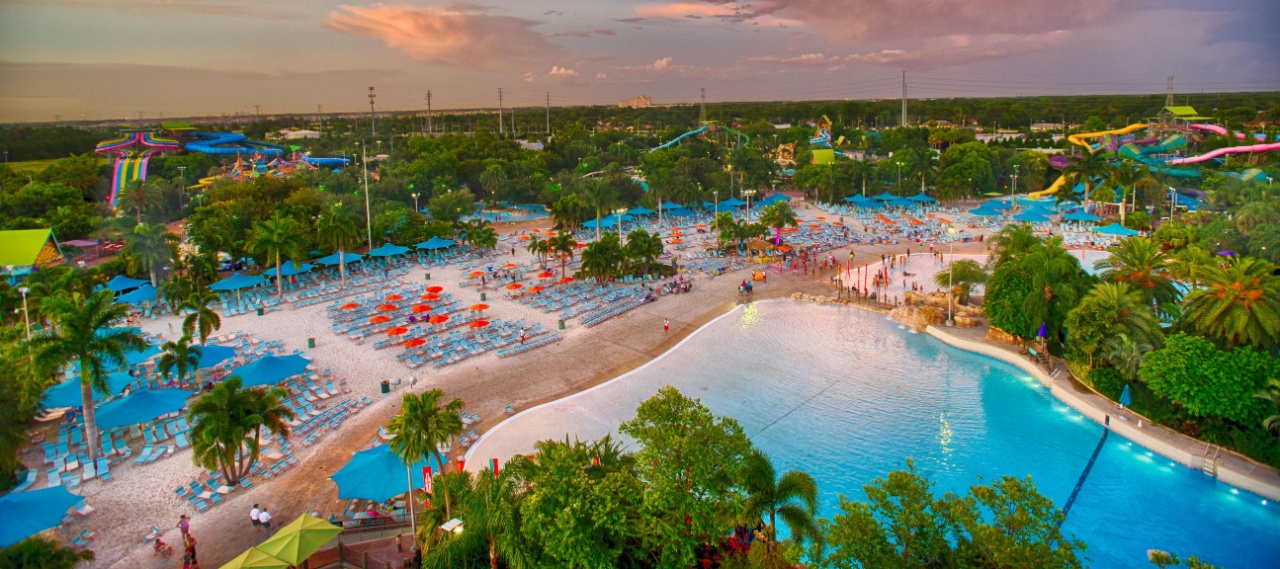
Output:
(423, 425)
(227, 425)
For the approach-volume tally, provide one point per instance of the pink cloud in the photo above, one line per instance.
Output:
(677, 10)
(557, 71)
(963, 48)
(806, 60)
(454, 39)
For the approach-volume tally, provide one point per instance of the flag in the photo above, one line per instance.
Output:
(493, 464)
(426, 478)
(462, 464)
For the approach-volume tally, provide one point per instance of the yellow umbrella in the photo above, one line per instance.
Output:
(254, 558)
(300, 538)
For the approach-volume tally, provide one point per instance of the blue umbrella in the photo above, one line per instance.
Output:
(855, 198)
(997, 205)
(732, 202)
(920, 197)
(1044, 331)
(144, 293)
(120, 283)
(678, 212)
(901, 202)
(435, 243)
(236, 282)
(708, 205)
(1081, 216)
(639, 211)
(376, 474)
(388, 250)
(985, 212)
(271, 370)
(212, 355)
(140, 407)
(869, 204)
(67, 393)
(134, 357)
(1115, 229)
(1031, 217)
(28, 513)
(1126, 398)
(776, 198)
(884, 196)
(333, 259)
(288, 270)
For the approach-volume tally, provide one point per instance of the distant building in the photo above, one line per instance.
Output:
(942, 123)
(782, 126)
(298, 134)
(25, 250)
(525, 144)
(1046, 126)
(641, 102)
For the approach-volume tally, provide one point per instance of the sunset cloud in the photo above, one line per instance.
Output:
(959, 48)
(806, 60)
(454, 39)
(557, 71)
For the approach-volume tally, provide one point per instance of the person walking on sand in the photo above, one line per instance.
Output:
(184, 525)
(264, 518)
(666, 325)
(254, 516)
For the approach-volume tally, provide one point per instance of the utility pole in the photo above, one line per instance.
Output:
(904, 98)
(257, 111)
(368, 220)
(373, 124)
(431, 127)
(548, 113)
(320, 114)
(702, 111)
(501, 130)
(1168, 91)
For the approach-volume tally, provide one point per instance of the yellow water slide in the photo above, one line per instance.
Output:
(1078, 140)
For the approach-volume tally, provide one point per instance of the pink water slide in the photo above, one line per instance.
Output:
(1223, 132)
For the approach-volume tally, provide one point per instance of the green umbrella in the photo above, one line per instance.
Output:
(299, 539)
(254, 558)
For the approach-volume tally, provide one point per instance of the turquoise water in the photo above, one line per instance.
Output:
(848, 396)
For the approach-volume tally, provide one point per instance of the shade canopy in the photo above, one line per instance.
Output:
(1031, 217)
(732, 202)
(775, 198)
(288, 270)
(140, 407)
(884, 196)
(67, 393)
(212, 355)
(121, 283)
(678, 212)
(132, 357)
(372, 475)
(271, 370)
(389, 250)
(869, 204)
(236, 282)
(922, 198)
(28, 513)
(997, 205)
(1126, 398)
(1081, 216)
(901, 202)
(297, 540)
(858, 198)
(435, 243)
(985, 212)
(332, 260)
(254, 558)
(1115, 229)
(144, 293)
(639, 210)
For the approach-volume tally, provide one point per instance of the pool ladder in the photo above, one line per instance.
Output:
(1209, 461)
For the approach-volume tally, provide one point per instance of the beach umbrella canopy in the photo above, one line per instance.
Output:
(868, 204)
(474, 274)
(299, 539)
(140, 407)
(213, 354)
(120, 283)
(435, 288)
(67, 393)
(985, 212)
(479, 324)
(332, 260)
(349, 306)
(732, 202)
(478, 307)
(1226, 253)
(134, 357)
(1115, 229)
(1044, 331)
(394, 298)
(900, 202)
(858, 198)
(414, 343)
(419, 308)
(567, 280)
(236, 282)
(546, 275)
(884, 196)
(28, 513)
(288, 270)
(515, 286)
(436, 243)
(1031, 217)
(398, 330)
(537, 288)
(440, 319)
(254, 558)
(1126, 398)
(144, 293)
(639, 210)
(271, 370)
(775, 198)
(509, 266)
(430, 296)
(388, 250)
(525, 238)
(388, 307)
(379, 319)
(922, 198)
(1081, 216)
(997, 205)
(678, 212)
(372, 475)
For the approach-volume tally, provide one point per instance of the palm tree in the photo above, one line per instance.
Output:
(1056, 280)
(1241, 305)
(1013, 241)
(1272, 395)
(600, 197)
(777, 216)
(564, 245)
(1190, 263)
(602, 258)
(1126, 179)
(279, 238)
(423, 425)
(485, 238)
(338, 230)
(182, 355)
(492, 514)
(793, 497)
(492, 179)
(138, 196)
(644, 247)
(149, 246)
(539, 248)
(84, 334)
(967, 272)
(40, 553)
(566, 212)
(1126, 354)
(227, 423)
(200, 315)
(726, 225)
(1084, 168)
(1143, 264)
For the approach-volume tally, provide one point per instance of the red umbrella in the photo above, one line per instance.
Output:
(537, 289)
(398, 330)
(349, 306)
(509, 266)
(441, 319)
(479, 307)
(582, 245)
(422, 308)
(546, 275)
(379, 319)
(388, 307)
(524, 237)
(414, 343)
(431, 296)
(515, 286)
(475, 274)
(567, 280)
(394, 298)
(435, 288)
(819, 217)
(479, 324)
(536, 230)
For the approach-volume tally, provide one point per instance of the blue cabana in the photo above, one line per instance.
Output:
(608, 222)
(671, 205)
(869, 204)
(120, 283)
(678, 212)
(859, 199)
(436, 243)
(775, 198)
(921, 198)
(884, 196)
(28, 513)
(67, 393)
(708, 205)
(985, 212)
(212, 355)
(731, 203)
(144, 293)
(388, 250)
(332, 260)
(288, 270)
(901, 202)
(271, 370)
(376, 474)
(237, 282)
(1081, 216)
(639, 210)
(1031, 217)
(1115, 229)
(140, 407)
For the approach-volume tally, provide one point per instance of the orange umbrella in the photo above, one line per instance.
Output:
(784, 248)
(435, 288)
(677, 240)
(546, 275)
(509, 266)
(551, 233)
(388, 307)
(394, 298)
(567, 280)
(815, 226)
(479, 324)
(379, 319)
(524, 237)
(479, 307)
(422, 308)
(441, 319)
(536, 230)
(819, 217)
(515, 286)
(475, 274)
(700, 226)
(398, 330)
(430, 296)
(348, 306)
(414, 343)
(582, 245)
(836, 223)
(537, 289)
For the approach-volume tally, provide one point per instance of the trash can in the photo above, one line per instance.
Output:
(386, 386)
(482, 297)
(311, 343)
(561, 324)
(428, 276)
(260, 311)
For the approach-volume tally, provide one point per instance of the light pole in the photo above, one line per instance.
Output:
(26, 316)
(748, 194)
(1014, 188)
(368, 221)
(951, 276)
(618, 212)
(415, 202)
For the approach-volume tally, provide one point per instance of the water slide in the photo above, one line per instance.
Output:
(213, 143)
(677, 139)
(132, 152)
(1215, 129)
(336, 161)
(1269, 147)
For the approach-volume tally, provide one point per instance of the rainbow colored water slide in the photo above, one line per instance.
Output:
(131, 162)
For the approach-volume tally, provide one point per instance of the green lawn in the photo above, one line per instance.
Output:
(33, 166)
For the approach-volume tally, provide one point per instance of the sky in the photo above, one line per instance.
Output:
(112, 59)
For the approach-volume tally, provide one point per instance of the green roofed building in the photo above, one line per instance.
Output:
(1173, 117)
(24, 250)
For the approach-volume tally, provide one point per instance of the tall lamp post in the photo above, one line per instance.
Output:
(415, 202)
(368, 221)
(182, 173)
(618, 212)
(26, 316)
(951, 276)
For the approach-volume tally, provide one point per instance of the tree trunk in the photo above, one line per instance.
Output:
(342, 266)
(152, 270)
(90, 414)
(279, 281)
(493, 554)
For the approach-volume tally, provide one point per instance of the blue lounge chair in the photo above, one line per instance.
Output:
(104, 470)
(181, 440)
(144, 456)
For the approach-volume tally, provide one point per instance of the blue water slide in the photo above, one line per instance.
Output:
(677, 139)
(337, 161)
(212, 143)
